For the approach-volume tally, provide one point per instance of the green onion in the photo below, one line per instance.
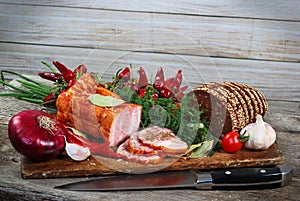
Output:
(49, 66)
(31, 91)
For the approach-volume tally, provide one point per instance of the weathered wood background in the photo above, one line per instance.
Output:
(255, 42)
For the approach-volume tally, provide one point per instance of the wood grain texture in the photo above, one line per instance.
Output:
(97, 166)
(151, 32)
(255, 42)
(279, 81)
(277, 9)
(13, 187)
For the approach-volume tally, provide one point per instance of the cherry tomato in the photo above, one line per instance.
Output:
(231, 142)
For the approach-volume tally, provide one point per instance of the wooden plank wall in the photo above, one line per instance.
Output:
(254, 42)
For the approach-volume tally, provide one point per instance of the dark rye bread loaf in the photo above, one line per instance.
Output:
(229, 106)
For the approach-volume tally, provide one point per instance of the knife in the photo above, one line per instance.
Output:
(223, 179)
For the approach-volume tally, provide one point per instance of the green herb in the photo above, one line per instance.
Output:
(30, 90)
(158, 116)
(201, 149)
(105, 101)
(182, 118)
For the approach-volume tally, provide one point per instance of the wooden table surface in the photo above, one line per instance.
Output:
(14, 187)
(253, 42)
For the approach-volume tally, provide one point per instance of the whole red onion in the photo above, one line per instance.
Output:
(37, 134)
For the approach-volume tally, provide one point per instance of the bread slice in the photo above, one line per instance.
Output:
(253, 104)
(256, 101)
(257, 98)
(261, 99)
(243, 101)
(221, 87)
(264, 101)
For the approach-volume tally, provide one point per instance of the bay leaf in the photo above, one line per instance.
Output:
(204, 148)
(105, 101)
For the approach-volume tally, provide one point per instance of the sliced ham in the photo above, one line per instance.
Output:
(162, 138)
(151, 145)
(140, 158)
(109, 123)
(136, 147)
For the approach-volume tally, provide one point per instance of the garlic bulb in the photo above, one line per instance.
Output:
(261, 134)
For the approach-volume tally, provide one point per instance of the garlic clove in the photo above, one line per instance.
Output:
(77, 152)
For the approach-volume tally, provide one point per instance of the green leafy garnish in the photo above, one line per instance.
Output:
(105, 101)
(201, 149)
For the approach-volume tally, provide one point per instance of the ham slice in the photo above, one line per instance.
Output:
(151, 145)
(140, 158)
(109, 123)
(136, 147)
(162, 138)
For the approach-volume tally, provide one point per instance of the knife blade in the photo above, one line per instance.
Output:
(227, 179)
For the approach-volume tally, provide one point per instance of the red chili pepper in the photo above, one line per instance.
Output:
(143, 81)
(168, 83)
(124, 74)
(49, 100)
(182, 89)
(81, 69)
(55, 77)
(159, 79)
(67, 73)
(142, 92)
(166, 93)
(176, 82)
(95, 148)
(71, 83)
(179, 94)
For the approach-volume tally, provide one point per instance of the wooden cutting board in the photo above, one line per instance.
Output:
(94, 165)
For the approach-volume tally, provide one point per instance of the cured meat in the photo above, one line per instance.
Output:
(152, 145)
(136, 147)
(109, 123)
(162, 139)
(141, 158)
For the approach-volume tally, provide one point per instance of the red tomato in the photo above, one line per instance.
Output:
(231, 142)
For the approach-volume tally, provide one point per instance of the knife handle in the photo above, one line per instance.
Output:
(248, 178)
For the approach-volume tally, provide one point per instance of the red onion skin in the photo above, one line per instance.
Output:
(32, 141)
